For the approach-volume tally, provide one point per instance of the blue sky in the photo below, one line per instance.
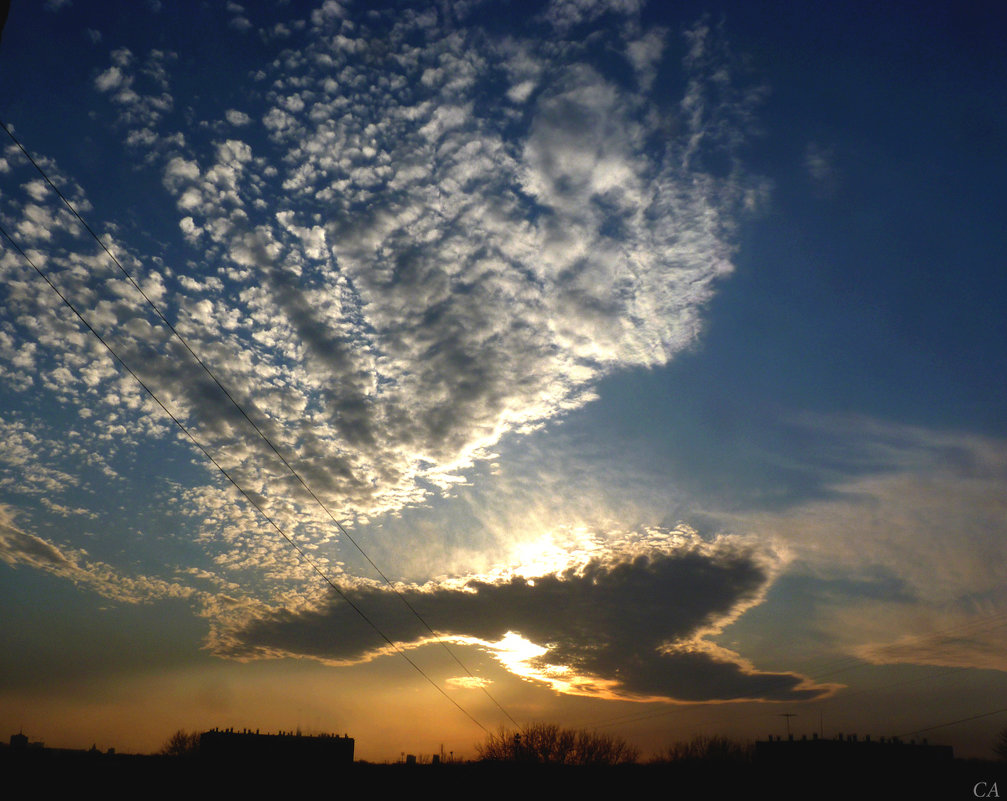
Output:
(654, 355)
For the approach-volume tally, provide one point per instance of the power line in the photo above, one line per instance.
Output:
(248, 497)
(251, 422)
(955, 722)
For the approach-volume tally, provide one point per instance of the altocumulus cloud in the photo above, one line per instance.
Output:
(418, 236)
(626, 624)
(413, 265)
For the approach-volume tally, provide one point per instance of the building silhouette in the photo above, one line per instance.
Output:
(849, 751)
(283, 747)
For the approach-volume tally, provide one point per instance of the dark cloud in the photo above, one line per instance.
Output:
(635, 621)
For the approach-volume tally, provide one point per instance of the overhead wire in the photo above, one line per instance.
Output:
(955, 722)
(258, 430)
(262, 434)
(843, 665)
(245, 493)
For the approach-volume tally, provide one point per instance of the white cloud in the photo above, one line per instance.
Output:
(392, 278)
(565, 14)
(121, 57)
(179, 172)
(645, 54)
(237, 118)
(110, 79)
(141, 95)
(819, 161)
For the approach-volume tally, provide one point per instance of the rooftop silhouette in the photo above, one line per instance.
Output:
(247, 745)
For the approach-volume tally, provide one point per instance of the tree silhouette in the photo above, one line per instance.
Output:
(181, 744)
(715, 749)
(549, 744)
(1000, 745)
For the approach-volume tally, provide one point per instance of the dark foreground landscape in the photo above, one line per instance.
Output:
(816, 778)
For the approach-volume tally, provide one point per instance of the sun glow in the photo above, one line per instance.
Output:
(513, 650)
(555, 552)
(520, 656)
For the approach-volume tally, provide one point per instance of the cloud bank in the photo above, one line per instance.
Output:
(627, 625)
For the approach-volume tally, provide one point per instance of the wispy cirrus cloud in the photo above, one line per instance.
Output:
(820, 163)
(20, 548)
(917, 514)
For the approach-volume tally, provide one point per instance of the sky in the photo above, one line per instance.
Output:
(632, 366)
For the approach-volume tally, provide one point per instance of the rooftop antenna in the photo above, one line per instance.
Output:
(788, 716)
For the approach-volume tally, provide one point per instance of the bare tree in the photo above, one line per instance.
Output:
(549, 744)
(604, 749)
(181, 744)
(715, 749)
(1000, 745)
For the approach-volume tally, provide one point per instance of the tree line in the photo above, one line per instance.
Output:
(549, 744)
